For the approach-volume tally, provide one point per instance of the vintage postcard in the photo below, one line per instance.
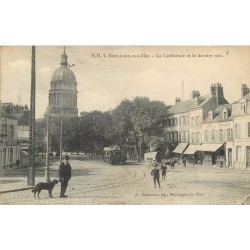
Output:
(132, 125)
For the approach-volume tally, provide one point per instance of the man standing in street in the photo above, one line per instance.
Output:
(156, 174)
(64, 175)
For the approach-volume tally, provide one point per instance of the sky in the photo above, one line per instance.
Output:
(158, 72)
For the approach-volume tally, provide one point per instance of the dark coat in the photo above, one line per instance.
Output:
(155, 172)
(65, 171)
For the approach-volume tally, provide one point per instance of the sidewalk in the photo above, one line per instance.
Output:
(16, 179)
(10, 184)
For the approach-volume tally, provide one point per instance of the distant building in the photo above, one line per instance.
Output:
(63, 91)
(9, 152)
(23, 126)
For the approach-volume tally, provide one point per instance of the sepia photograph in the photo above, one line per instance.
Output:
(125, 125)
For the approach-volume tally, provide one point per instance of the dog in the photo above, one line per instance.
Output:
(44, 186)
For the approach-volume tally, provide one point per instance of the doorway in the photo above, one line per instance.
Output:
(230, 163)
(247, 157)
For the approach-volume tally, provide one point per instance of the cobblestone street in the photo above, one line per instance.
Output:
(95, 182)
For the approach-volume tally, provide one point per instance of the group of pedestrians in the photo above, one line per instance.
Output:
(156, 172)
(162, 168)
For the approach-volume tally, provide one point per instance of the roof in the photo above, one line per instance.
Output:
(218, 114)
(188, 105)
(246, 97)
(63, 74)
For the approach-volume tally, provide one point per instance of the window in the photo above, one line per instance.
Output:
(198, 137)
(4, 130)
(182, 136)
(213, 135)
(243, 108)
(187, 136)
(248, 129)
(182, 120)
(238, 153)
(193, 121)
(210, 115)
(198, 120)
(225, 115)
(176, 121)
(176, 136)
(237, 130)
(12, 132)
(229, 134)
(221, 135)
(206, 135)
(192, 137)
(167, 136)
(172, 136)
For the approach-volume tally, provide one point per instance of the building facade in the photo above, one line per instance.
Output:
(183, 126)
(63, 91)
(241, 122)
(8, 132)
(217, 139)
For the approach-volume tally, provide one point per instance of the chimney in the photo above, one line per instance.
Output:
(195, 93)
(244, 90)
(213, 91)
(217, 90)
(177, 100)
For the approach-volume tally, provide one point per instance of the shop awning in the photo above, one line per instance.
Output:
(152, 156)
(210, 147)
(192, 148)
(180, 148)
(24, 146)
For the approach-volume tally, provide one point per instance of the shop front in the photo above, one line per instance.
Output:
(193, 155)
(178, 151)
(214, 154)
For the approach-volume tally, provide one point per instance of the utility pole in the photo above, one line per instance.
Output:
(47, 177)
(31, 170)
(61, 143)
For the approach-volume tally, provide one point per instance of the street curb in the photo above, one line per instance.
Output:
(15, 190)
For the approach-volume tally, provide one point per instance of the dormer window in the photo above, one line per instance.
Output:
(195, 101)
(225, 114)
(243, 107)
(210, 115)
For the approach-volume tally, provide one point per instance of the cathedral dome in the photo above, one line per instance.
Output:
(64, 74)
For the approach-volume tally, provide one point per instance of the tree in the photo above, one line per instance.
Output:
(136, 120)
(96, 130)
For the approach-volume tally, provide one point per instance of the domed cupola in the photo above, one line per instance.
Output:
(63, 90)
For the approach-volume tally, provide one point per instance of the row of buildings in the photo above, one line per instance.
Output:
(205, 129)
(208, 130)
(14, 133)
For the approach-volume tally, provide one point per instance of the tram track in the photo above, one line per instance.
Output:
(117, 183)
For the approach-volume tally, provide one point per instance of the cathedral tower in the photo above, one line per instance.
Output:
(63, 91)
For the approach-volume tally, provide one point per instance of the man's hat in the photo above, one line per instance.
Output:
(66, 157)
